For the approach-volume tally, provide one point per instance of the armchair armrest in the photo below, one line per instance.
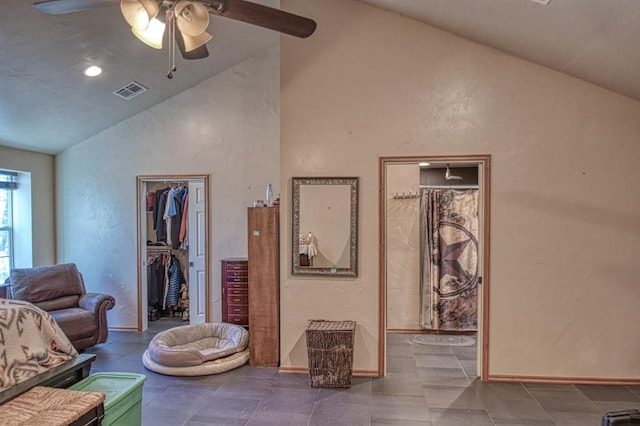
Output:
(98, 304)
(94, 302)
(5, 291)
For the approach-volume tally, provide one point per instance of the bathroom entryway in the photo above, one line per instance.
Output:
(435, 215)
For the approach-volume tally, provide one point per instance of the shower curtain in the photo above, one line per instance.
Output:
(449, 252)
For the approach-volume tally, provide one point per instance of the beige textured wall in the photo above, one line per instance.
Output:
(403, 248)
(41, 167)
(564, 229)
(226, 127)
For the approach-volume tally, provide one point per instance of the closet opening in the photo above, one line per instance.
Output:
(173, 267)
(434, 256)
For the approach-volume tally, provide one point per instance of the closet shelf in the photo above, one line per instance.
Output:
(159, 248)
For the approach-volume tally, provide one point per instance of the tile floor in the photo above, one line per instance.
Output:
(425, 385)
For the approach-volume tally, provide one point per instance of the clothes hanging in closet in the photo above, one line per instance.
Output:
(156, 274)
(183, 237)
(159, 205)
(170, 213)
(174, 215)
(175, 279)
(164, 279)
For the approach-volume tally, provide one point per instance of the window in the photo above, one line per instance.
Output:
(7, 185)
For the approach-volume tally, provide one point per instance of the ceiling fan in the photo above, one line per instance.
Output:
(187, 20)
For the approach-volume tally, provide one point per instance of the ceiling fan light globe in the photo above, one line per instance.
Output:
(192, 43)
(192, 19)
(139, 13)
(151, 36)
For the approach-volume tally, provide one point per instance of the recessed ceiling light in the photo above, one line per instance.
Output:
(544, 2)
(424, 164)
(92, 71)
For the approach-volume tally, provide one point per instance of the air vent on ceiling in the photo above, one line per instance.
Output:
(130, 91)
(544, 2)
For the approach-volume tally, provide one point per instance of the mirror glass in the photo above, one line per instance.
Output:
(325, 226)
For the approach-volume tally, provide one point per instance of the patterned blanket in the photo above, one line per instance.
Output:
(30, 342)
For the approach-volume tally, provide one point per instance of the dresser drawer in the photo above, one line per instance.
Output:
(237, 286)
(237, 299)
(238, 319)
(236, 266)
(238, 278)
(239, 291)
(238, 310)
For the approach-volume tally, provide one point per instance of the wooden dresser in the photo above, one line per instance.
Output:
(235, 291)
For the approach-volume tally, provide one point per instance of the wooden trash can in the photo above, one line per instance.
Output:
(330, 352)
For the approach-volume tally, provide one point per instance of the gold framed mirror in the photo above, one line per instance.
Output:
(324, 226)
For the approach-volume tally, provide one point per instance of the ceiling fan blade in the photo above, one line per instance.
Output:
(59, 7)
(197, 53)
(266, 17)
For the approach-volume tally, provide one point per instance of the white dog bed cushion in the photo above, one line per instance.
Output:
(216, 366)
(197, 345)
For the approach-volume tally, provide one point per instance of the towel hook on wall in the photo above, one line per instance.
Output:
(449, 176)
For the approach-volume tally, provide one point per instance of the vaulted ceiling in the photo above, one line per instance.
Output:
(593, 40)
(46, 104)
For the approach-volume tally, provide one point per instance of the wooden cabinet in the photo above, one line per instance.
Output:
(264, 286)
(235, 291)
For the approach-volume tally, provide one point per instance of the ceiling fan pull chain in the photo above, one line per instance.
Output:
(172, 43)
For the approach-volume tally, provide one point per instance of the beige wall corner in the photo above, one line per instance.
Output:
(41, 168)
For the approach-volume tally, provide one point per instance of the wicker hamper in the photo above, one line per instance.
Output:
(330, 351)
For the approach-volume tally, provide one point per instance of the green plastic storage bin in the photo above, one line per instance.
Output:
(123, 391)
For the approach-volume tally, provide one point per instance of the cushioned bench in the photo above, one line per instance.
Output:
(198, 349)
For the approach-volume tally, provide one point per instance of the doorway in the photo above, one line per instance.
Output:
(173, 266)
(400, 234)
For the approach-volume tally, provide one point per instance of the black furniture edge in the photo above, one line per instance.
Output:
(60, 376)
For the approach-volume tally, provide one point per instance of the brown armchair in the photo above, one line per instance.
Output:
(60, 290)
